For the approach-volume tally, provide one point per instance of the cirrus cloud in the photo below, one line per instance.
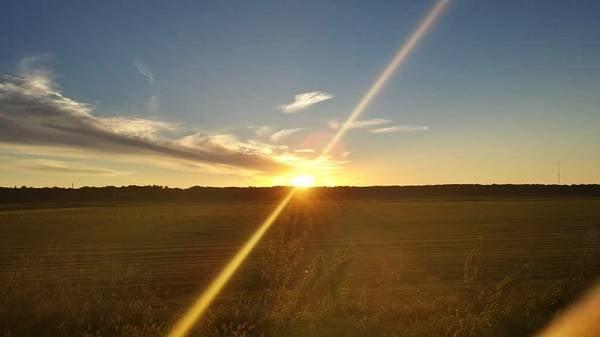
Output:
(279, 135)
(34, 112)
(359, 124)
(304, 100)
(144, 70)
(61, 167)
(377, 125)
(400, 128)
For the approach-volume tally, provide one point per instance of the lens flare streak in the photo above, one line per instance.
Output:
(184, 325)
(385, 75)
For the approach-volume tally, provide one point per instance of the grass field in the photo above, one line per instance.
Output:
(326, 268)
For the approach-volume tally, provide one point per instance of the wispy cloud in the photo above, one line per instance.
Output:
(262, 130)
(279, 135)
(136, 127)
(36, 118)
(401, 128)
(359, 124)
(152, 105)
(273, 134)
(304, 151)
(60, 167)
(378, 125)
(228, 143)
(34, 112)
(304, 100)
(144, 70)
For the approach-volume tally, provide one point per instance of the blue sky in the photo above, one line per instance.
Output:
(505, 89)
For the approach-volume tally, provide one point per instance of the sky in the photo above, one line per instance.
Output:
(238, 93)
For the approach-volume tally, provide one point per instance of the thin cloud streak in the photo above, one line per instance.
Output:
(400, 128)
(279, 135)
(152, 105)
(358, 124)
(145, 71)
(60, 167)
(305, 100)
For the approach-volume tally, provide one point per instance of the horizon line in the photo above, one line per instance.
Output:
(312, 187)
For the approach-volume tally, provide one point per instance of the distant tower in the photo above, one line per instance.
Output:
(558, 171)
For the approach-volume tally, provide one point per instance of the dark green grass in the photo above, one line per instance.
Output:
(427, 268)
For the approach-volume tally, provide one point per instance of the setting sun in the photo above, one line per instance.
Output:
(303, 181)
(309, 170)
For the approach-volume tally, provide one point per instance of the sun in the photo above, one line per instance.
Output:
(303, 181)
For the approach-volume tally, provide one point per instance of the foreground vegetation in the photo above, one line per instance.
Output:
(435, 268)
(321, 302)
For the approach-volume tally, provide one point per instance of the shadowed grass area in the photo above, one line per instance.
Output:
(299, 298)
(326, 269)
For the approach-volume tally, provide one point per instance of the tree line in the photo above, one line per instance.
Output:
(156, 193)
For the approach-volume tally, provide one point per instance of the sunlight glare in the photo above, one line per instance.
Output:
(303, 181)
(183, 326)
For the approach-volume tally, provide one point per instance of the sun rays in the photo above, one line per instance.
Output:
(183, 326)
(303, 181)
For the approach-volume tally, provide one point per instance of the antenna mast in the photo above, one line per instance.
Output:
(558, 171)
